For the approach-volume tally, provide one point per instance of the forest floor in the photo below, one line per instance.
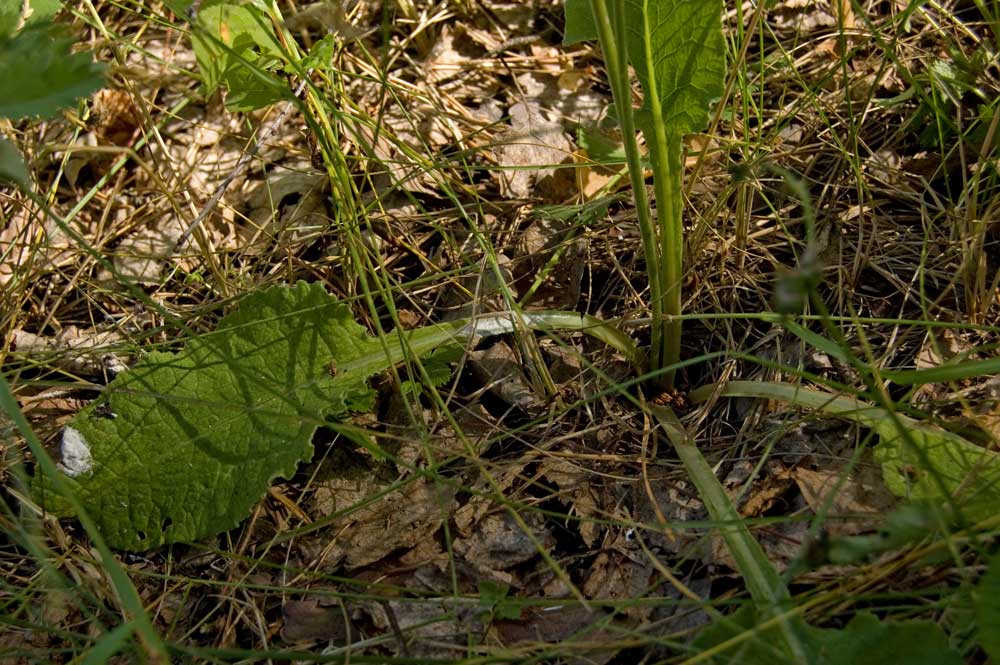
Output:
(523, 508)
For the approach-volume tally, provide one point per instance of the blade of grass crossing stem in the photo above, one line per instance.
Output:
(131, 605)
(763, 581)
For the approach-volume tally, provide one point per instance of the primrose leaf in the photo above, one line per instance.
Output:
(39, 75)
(184, 445)
(580, 25)
(679, 55)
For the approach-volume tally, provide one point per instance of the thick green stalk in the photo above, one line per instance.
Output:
(665, 151)
(615, 58)
(668, 173)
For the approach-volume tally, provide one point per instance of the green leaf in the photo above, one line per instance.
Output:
(320, 56)
(908, 524)
(184, 445)
(41, 10)
(919, 461)
(949, 372)
(12, 167)
(34, 11)
(250, 89)
(679, 55)
(678, 52)
(867, 641)
(863, 641)
(234, 46)
(987, 599)
(580, 25)
(765, 584)
(437, 365)
(39, 75)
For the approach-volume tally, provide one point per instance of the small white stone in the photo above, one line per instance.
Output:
(76, 458)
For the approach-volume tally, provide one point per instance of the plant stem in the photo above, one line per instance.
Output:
(668, 178)
(613, 46)
(665, 153)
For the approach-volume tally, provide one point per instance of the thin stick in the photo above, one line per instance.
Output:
(241, 166)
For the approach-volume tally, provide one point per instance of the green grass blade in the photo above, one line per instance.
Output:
(943, 374)
(762, 579)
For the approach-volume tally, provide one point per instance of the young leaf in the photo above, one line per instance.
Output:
(679, 55)
(868, 641)
(231, 41)
(39, 75)
(437, 365)
(184, 445)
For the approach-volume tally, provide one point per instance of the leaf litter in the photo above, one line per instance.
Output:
(418, 531)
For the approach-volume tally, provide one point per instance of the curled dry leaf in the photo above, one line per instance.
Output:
(576, 486)
(116, 116)
(854, 504)
(475, 424)
(560, 624)
(289, 208)
(315, 620)
(142, 256)
(429, 628)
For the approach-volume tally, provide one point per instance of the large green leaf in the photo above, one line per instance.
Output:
(677, 50)
(679, 55)
(183, 445)
(39, 75)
